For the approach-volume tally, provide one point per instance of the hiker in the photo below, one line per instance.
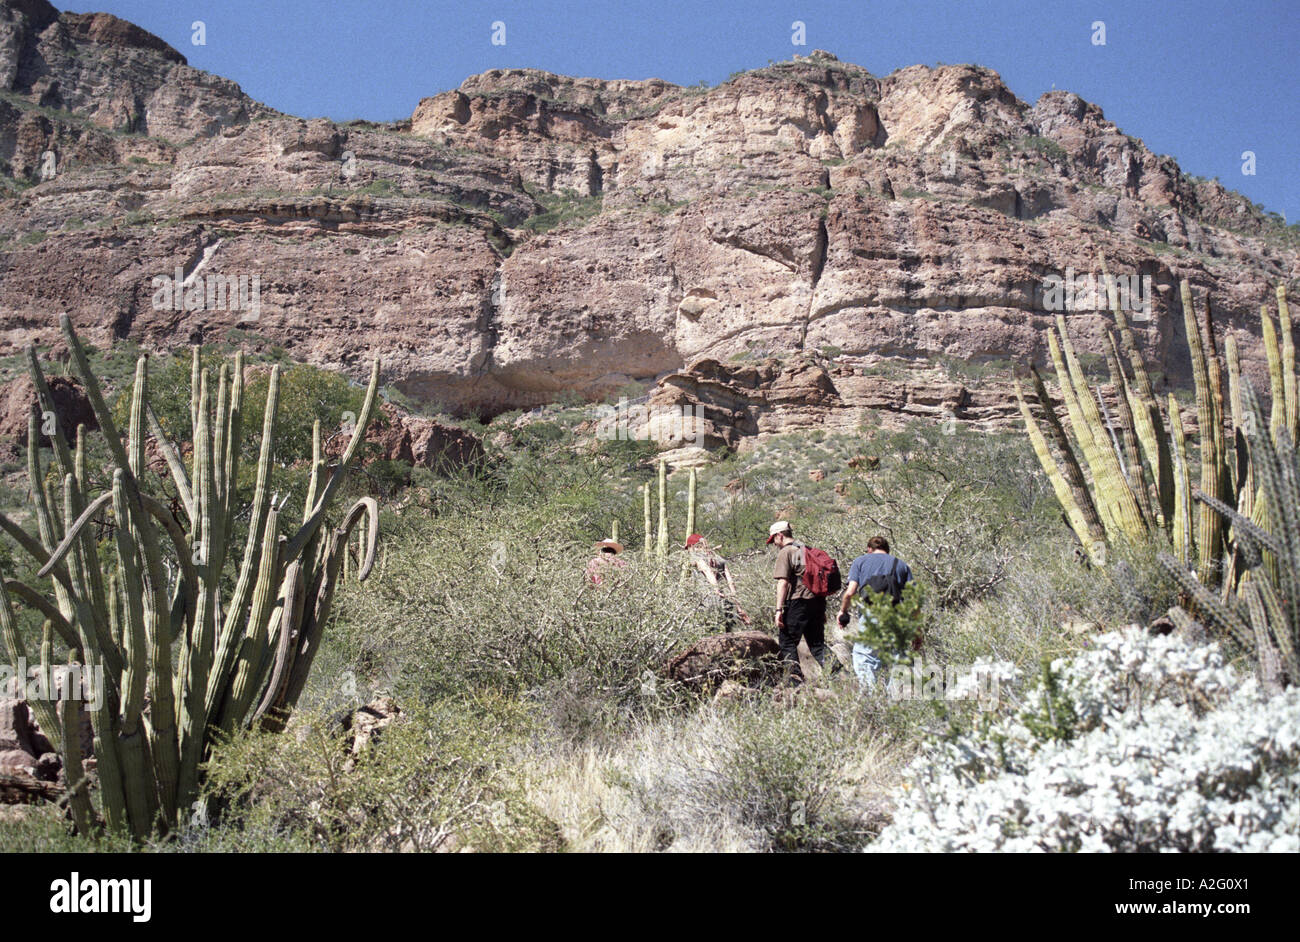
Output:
(708, 563)
(606, 558)
(804, 577)
(876, 569)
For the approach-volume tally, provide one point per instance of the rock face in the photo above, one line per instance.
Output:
(529, 234)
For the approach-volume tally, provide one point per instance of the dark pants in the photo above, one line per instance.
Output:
(804, 618)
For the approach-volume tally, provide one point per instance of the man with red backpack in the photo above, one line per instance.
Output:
(804, 577)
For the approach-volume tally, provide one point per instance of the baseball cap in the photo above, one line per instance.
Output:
(781, 526)
(693, 539)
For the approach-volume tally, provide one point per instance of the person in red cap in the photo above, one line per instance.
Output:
(708, 563)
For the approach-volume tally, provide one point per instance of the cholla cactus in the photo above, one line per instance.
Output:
(157, 619)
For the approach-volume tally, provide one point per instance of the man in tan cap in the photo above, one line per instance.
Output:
(799, 612)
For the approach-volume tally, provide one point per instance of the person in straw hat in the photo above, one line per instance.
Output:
(606, 558)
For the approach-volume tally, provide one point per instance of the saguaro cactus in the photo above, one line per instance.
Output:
(157, 618)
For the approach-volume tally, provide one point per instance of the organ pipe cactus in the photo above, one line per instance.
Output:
(190, 647)
(1135, 484)
(1262, 615)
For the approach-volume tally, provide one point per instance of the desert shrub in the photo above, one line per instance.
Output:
(1052, 601)
(491, 593)
(437, 779)
(1140, 743)
(887, 628)
(754, 775)
(956, 507)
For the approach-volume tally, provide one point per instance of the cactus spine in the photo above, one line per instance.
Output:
(159, 592)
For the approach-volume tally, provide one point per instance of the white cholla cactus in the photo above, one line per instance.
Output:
(1155, 744)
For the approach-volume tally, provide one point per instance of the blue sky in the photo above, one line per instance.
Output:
(1203, 81)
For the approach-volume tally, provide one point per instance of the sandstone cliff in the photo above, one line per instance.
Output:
(529, 234)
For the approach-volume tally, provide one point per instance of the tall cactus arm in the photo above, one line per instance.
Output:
(42, 505)
(1083, 434)
(661, 546)
(89, 547)
(1124, 398)
(647, 535)
(317, 469)
(103, 414)
(141, 800)
(73, 535)
(1182, 528)
(1107, 475)
(196, 370)
(40, 603)
(34, 550)
(174, 464)
(1288, 364)
(320, 597)
(198, 651)
(83, 812)
(1064, 494)
(292, 592)
(17, 651)
(234, 440)
(232, 629)
(309, 528)
(1209, 531)
(1277, 388)
(220, 430)
(246, 677)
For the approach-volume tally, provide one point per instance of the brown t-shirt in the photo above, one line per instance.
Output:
(789, 565)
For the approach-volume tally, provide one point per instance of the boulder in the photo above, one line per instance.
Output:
(748, 658)
(417, 440)
(71, 408)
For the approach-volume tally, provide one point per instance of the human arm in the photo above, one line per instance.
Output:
(782, 591)
(850, 590)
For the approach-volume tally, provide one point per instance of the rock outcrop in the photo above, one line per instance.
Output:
(748, 658)
(419, 441)
(71, 408)
(529, 234)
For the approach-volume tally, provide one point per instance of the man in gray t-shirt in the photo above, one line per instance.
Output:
(881, 571)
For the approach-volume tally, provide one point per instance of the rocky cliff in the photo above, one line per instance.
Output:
(807, 225)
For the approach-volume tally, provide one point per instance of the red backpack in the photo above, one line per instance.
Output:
(821, 573)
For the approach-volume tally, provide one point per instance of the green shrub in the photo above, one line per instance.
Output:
(438, 778)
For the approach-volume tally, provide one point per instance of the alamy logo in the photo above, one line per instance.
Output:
(73, 682)
(1088, 292)
(76, 895)
(661, 424)
(209, 293)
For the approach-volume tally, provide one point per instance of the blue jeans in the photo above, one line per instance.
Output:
(865, 664)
